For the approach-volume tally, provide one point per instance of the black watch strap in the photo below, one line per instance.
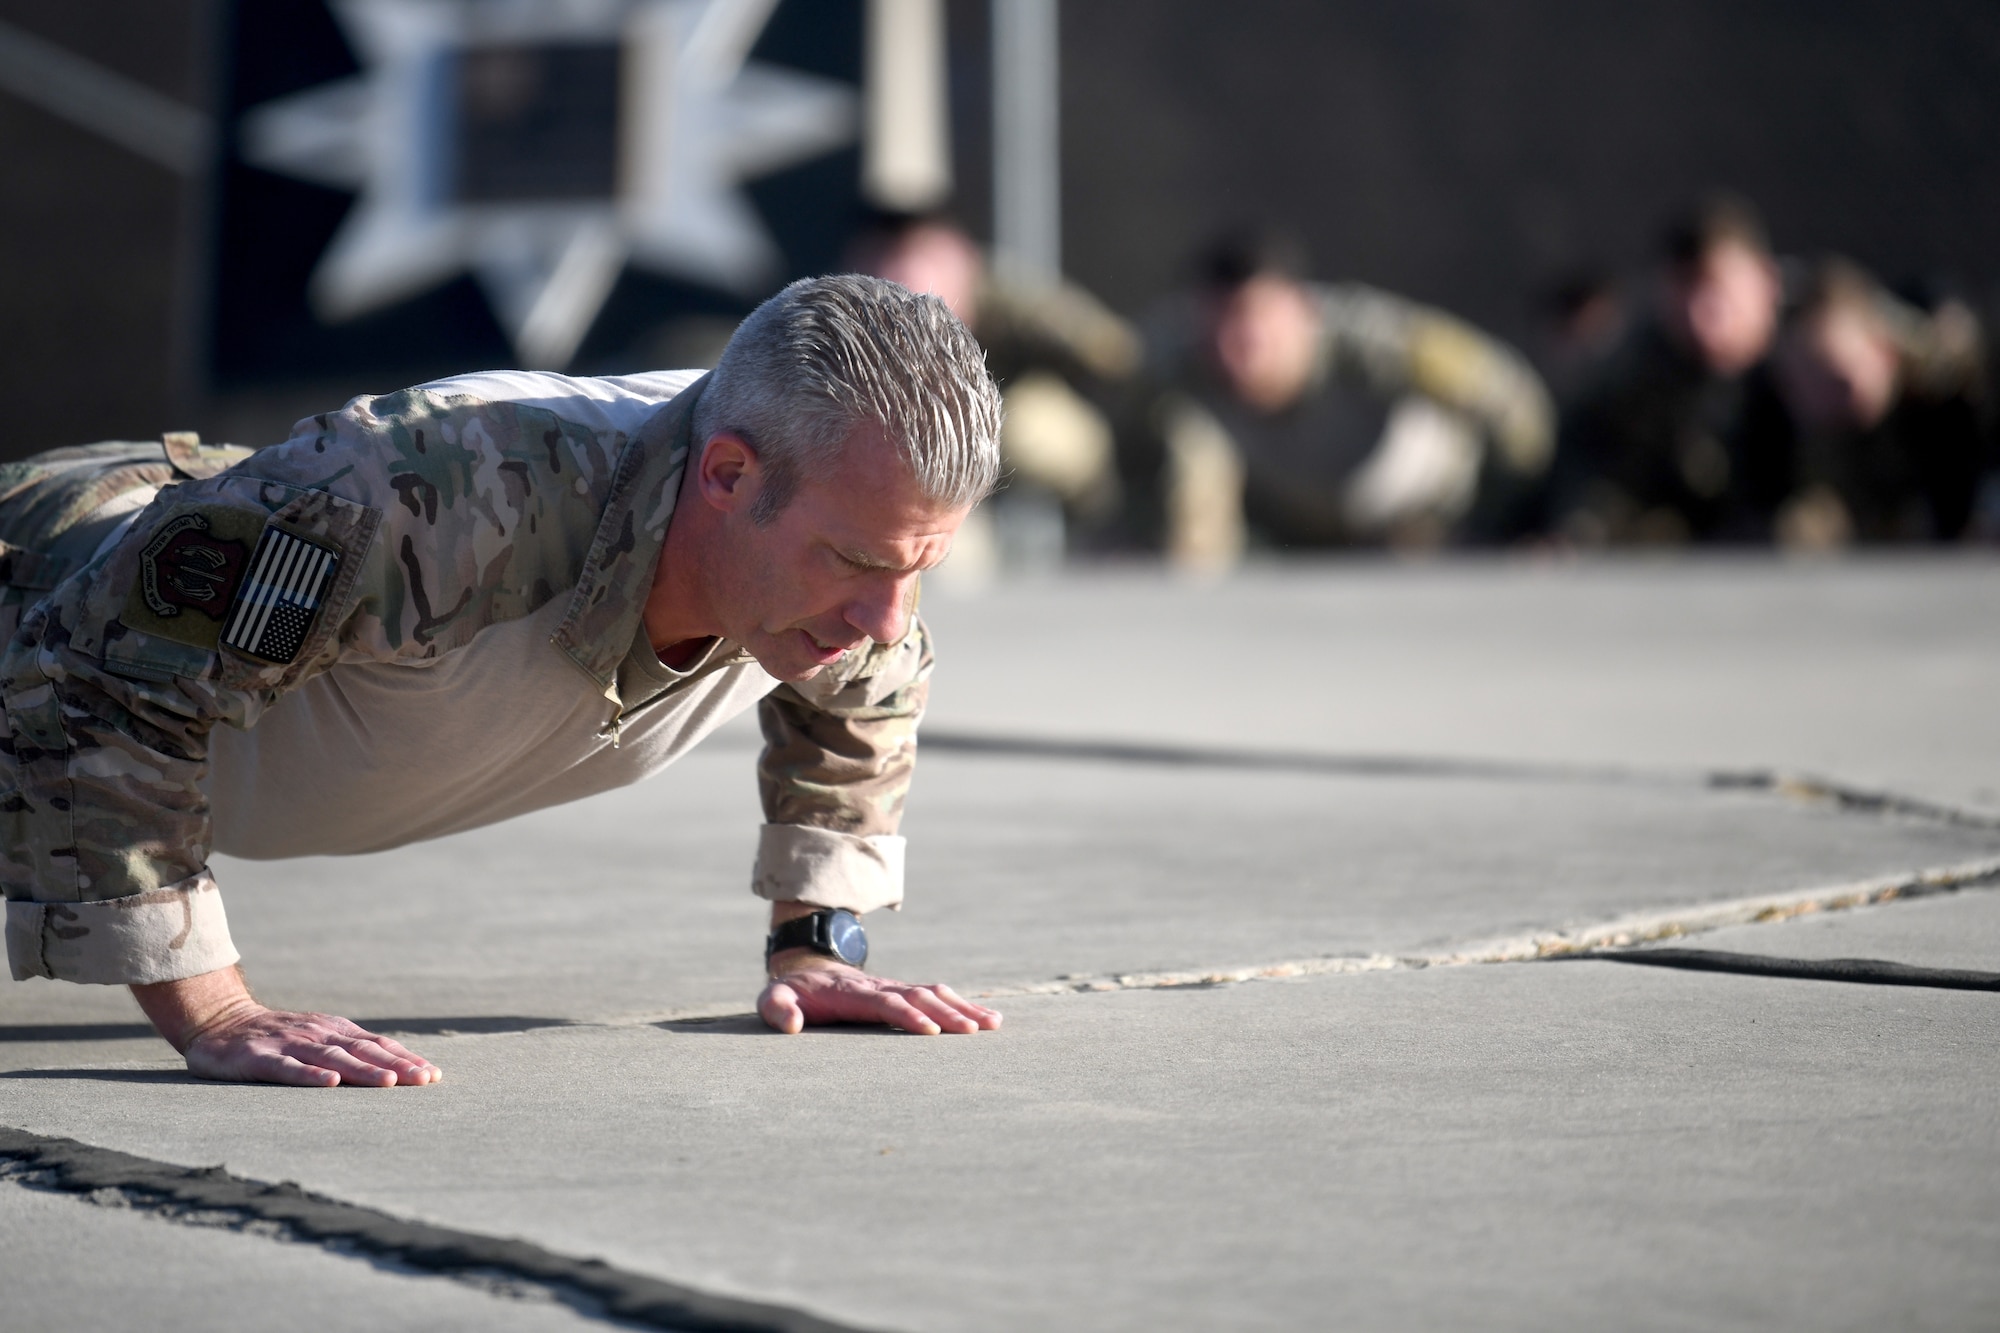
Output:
(835, 932)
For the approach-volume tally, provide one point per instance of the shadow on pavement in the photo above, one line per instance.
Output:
(20, 1033)
(1861, 971)
(1292, 761)
(750, 1025)
(27, 1032)
(463, 1025)
(726, 1025)
(108, 1075)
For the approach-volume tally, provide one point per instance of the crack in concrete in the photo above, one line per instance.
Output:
(211, 1196)
(1805, 788)
(1618, 932)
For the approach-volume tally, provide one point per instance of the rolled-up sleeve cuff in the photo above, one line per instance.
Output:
(165, 935)
(797, 863)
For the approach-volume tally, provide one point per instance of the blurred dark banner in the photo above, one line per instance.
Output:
(405, 192)
(1462, 152)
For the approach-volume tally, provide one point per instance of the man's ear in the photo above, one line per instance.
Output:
(729, 474)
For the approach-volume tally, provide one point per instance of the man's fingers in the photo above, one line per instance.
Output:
(407, 1068)
(351, 1067)
(307, 1050)
(899, 1012)
(940, 1011)
(284, 1069)
(978, 1013)
(402, 1052)
(389, 1044)
(779, 1008)
(259, 1067)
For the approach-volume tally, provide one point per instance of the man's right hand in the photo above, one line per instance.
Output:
(215, 1022)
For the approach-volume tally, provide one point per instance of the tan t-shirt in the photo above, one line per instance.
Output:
(367, 756)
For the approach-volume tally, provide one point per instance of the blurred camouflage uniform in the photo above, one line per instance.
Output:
(391, 533)
(1652, 446)
(1052, 326)
(1912, 476)
(1064, 363)
(1411, 421)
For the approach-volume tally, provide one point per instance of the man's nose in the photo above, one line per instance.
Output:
(882, 610)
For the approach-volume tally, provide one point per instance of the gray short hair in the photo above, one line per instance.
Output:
(825, 355)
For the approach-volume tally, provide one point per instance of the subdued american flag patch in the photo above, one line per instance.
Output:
(275, 605)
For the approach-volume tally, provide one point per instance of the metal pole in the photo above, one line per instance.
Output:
(1027, 146)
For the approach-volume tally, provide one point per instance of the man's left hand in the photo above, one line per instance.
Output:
(807, 988)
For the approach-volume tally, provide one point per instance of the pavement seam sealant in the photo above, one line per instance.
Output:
(1570, 941)
(1619, 932)
(202, 1194)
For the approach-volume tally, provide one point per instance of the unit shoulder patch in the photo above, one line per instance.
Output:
(225, 577)
(187, 566)
(188, 574)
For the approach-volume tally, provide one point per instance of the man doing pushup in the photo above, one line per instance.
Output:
(441, 608)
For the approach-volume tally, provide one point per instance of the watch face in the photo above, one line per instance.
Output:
(849, 940)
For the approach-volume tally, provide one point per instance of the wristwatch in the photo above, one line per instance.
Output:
(833, 931)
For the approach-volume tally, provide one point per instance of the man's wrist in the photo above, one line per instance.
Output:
(835, 932)
(785, 960)
(184, 1011)
(790, 911)
(791, 962)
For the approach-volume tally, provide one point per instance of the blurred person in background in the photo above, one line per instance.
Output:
(1584, 315)
(1063, 361)
(1302, 414)
(1872, 426)
(1650, 443)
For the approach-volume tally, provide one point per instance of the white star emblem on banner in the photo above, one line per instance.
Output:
(698, 120)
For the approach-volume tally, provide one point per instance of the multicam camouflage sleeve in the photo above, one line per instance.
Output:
(393, 530)
(839, 750)
(1400, 346)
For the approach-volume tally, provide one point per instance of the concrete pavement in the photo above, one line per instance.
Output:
(1374, 1140)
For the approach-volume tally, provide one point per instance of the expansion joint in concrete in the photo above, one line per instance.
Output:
(1617, 933)
(1856, 800)
(211, 1196)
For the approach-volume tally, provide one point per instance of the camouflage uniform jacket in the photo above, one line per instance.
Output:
(391, 532)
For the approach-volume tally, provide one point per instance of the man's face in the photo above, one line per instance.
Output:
(1724, 307)
(1839, 371)
(940, 261)
(837, 567)
(1263, 337)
